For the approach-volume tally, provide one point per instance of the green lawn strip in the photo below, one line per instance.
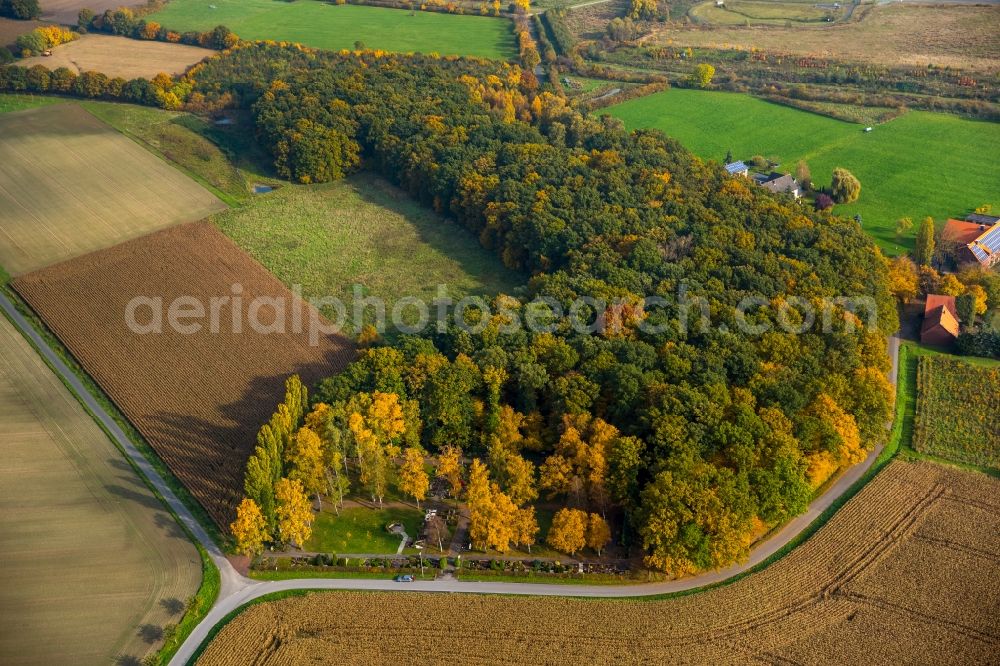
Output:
(913, 166)
(334, 27)
(477, 576)
(362, 530)
(208, 590)
(21, 101)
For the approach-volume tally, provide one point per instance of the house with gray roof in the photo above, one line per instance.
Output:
(779, 183)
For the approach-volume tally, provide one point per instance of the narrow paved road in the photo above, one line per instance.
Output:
(238, 590)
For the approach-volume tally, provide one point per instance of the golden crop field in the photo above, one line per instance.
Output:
(120, 56)
(905, 572)
(69, 185)
(93, 565)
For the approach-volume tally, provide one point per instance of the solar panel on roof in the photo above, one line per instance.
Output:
(991, 239)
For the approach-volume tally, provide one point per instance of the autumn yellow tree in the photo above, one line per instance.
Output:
(568, 531)
(520, 479)
(950, 286)
(413, 480)
(376, 422)
(249, 530)
(555, 476)
(524, 528)
(598, 533)
(903, 282)
(837, 441)
(579, 466)
(979, 298)
(372, 460)
(305, 461)
(500, 525)
(295, 516)
(320, 421)
(449, 468)
(491, 511)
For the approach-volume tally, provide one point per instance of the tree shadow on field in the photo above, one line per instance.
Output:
(167, 523)
(127, 660)
(173, 606)
(209, 456)
(150, 633)
(145, 499)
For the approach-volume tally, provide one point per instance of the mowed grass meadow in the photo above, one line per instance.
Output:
(917, 165)
(363, 231)
(362, 530)
(328, 26)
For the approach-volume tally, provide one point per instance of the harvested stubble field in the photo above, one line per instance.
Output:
(961, 36)
(89, 553)
(958, 405)
(69, 184)
(905, 572)
(120, 56)
(197, 398)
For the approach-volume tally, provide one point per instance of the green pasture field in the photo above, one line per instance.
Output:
(917, 165)
(22, 102)
(328, 26)
(94, 566)
(362, 530)
(362, 231)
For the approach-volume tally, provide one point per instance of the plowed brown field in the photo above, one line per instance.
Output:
(198, 398)
(891, 578)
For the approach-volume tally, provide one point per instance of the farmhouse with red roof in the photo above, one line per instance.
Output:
(940, 325)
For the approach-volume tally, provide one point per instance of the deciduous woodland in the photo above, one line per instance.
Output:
(700, 434)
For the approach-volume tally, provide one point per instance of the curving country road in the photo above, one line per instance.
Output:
(237, 590)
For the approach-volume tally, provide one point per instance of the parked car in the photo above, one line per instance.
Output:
(403, 578)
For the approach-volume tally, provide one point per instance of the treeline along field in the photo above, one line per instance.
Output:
(197, 398)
